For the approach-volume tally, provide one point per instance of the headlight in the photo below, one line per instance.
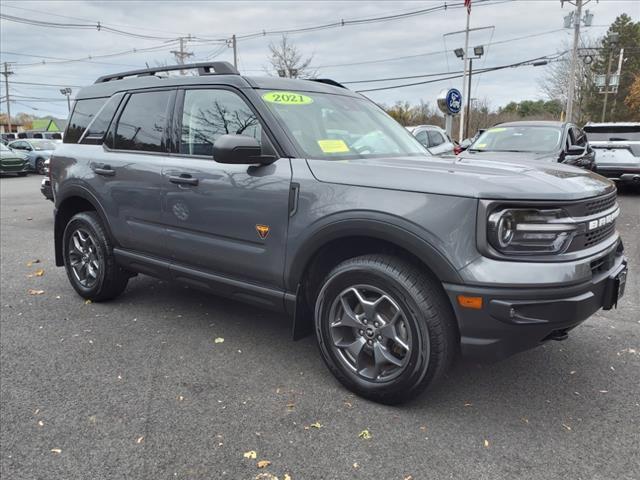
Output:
(515, 231)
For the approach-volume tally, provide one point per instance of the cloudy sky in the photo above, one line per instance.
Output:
(520, 30)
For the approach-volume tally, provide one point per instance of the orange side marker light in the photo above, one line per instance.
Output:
(470, 302)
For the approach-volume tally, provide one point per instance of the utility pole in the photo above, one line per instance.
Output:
(466, 119)
(67, 93)
(234, 44)
(606, 85)
(574, 59)
(6, 72)
(464, 76)
(182, 54)
(618, 73)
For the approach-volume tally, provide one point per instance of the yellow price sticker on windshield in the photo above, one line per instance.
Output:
(481, 145)
(287, 98)
(333, 146)
(499, 129)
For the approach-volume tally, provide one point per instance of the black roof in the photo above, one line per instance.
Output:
(533, 123)
(216, 73)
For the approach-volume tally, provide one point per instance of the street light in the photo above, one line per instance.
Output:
(67, 93)
(460, 53)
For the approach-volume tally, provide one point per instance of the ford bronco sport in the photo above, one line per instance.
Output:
(305, 197)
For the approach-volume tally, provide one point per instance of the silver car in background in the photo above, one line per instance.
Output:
(434, 138)
(617, 147)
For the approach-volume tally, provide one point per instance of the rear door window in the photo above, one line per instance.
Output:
(435, 138)
(423, 138)
(143, 122)
(83, 113)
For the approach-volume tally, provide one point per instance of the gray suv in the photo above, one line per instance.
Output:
(306, 198)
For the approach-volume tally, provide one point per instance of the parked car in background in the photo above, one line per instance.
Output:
(434, 138)
(37, 151)
(617, 148)
(466, 143)
(7, 137)
(12, 162)
(45, 135)
(536, 141)
(45, 185)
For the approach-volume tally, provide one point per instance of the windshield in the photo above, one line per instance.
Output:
(613, 133)
(336, 127)
(43, 144)
(519, 139)
(4, 148)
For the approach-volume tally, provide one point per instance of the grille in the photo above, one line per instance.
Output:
(598, 235)
(600, 205)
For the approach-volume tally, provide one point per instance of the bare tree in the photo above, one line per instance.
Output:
(555, 84)
(287, 61)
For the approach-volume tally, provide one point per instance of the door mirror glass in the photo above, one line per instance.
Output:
(240, 150)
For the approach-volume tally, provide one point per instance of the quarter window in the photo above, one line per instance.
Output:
(100, 124)
(143, 121)
(423, 138)
(83, 113)
(209, 114)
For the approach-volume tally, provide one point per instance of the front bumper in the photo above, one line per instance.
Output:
(620, 174)
(45, 189)
(512, 320)
(15, 168)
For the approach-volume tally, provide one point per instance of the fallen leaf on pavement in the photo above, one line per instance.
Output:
(31, 262)
(40, 423)
(39, 272)
(408, 477)
(316, 425)
(32, 291)
(88, 302)
(250, 454)
(219, 340)
(56, 450)
(566, 426)
(291, 405)
(356, 465)
(365, 435)
(468, 404)
(287, 477)
(265, 476)
(140, 440)
(263, 463)
(486, 443)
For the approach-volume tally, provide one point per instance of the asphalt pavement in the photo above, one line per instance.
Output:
(166, 382)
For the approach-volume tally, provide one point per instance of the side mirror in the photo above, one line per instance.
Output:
(575, 151)
(466, 143)
(240, 150)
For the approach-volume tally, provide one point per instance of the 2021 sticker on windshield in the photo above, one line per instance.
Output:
(287, 98)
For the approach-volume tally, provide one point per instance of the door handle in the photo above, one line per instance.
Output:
(102, 169)
(183, 179)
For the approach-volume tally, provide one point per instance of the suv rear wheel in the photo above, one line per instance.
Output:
(384, 328)
(89, 261)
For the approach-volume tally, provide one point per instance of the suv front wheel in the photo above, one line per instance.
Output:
(385, 328)
(89, 260)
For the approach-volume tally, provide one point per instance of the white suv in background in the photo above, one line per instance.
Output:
(617, 147)
(434, 138)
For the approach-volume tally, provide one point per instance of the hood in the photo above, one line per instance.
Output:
(465, 178)
(510, 156)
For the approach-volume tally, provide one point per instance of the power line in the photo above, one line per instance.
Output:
(546, 58)
(47, 84)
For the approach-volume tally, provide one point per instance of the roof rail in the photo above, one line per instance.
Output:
(328, 81)
(209, 68)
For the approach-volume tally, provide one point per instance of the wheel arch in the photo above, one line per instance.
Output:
(76, 199)
(338, 241)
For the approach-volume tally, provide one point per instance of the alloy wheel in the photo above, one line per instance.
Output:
(85, 263)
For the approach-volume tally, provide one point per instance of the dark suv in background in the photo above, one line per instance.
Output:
(306, 198)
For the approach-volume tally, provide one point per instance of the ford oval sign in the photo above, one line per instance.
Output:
(450, 101)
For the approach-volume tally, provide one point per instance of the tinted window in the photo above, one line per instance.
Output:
(142, 123)
(100, 123)
(83, 112)
(435, 138)
(208, 114)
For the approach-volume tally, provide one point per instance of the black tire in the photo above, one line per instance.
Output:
(110, 279)
(40, 166)
(428, 324)
(22, 174)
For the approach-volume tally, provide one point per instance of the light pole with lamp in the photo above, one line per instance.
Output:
(67, 93)
(460, 53)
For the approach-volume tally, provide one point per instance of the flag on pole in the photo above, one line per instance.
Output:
(467, 3)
